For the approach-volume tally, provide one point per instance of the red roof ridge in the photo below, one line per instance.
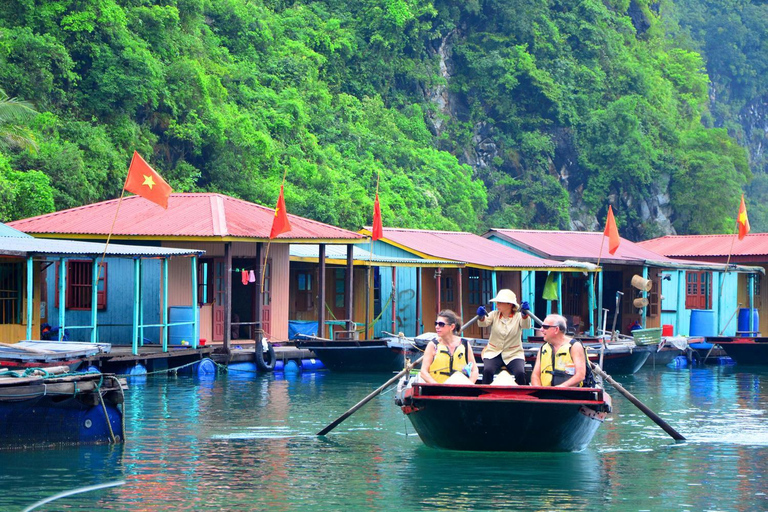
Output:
(547, 231)
(218, 215)
(414, 230)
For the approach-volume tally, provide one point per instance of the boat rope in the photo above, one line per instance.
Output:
(106, 414)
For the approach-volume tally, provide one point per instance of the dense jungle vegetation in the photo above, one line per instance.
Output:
(474, 113)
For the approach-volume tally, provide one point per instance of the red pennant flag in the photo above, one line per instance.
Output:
(742, 221)
(144, 181)
(378, 229)
(612, 232)
(280, 223)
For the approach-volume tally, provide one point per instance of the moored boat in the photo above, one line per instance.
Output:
(743, 350)
(378, 355)
(50, 406)
(43, 354)
(503, 418)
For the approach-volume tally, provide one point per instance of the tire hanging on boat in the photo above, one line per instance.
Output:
(265, 359)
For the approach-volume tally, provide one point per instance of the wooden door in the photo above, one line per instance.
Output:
(698, 290)
(219, 289)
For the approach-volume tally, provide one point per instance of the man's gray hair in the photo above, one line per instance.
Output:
(560, 322)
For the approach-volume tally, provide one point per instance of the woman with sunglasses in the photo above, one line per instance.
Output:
(505, 344)
(450, 354)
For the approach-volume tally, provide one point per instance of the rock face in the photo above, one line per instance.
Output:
(754, 119)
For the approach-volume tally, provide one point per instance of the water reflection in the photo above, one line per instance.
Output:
(249, 444)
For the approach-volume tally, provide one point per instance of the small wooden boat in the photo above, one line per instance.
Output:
(50, 406)
(503, 418)
(378, 355)
(42, 354)
(743, 350)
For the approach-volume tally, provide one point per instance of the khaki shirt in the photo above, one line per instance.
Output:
(506, 335)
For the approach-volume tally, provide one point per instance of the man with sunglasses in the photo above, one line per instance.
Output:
(561, 362)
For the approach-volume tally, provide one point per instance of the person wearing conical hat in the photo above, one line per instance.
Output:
(505, 344)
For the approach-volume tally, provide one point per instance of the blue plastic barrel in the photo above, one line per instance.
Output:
(311, 365)
(678, 362)
(178, 334)
(291, 366)
(702, 323)
(279, 365)
(743, 323)
(206, 368)
(244, 367)
(138, 369)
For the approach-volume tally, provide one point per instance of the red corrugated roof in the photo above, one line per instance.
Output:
(468, 247)
(577, 245)
(188, 215)
(687, 246)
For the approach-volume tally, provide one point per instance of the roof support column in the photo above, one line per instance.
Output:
(645, 295)
(438, 279)
(752, 326)
(94, 297)
(600, 326)
(680, 301)
(592, 309)
(494, 284)
(418, 301)
(394, 300)
(321, 292)
(367, 301)
(141, 302)
(461, 293)
(227, 295)
(349, 289)
(30, 295)
(195, 312)
(136, 292)
(62, 296)
(560, 293)
(258, 298)
(164, 339)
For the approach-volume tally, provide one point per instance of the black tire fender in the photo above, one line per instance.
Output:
(265, 359)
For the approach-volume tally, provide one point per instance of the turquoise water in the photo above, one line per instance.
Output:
(244, 442)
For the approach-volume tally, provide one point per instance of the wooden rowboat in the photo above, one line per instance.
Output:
(503, 418)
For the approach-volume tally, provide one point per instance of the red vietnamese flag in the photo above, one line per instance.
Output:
(144, 181)
(280, 223)
(742, 221)
(378, 229)
(612, 232)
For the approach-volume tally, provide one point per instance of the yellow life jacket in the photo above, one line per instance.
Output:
(444, 364)
(557, 367)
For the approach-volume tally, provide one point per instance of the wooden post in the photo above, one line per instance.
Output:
(418, 301)
(644, 294)
(461, 294)
(438, 282)
(349, 284)
(321, 292)
(394, 300)
(165, 305)
(62, 296)
(94, 297)
(367, 300)
(135, 330)
(258, 298)
(30, 295)
(227, 296)
(195, 315)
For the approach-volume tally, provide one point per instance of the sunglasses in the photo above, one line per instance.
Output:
(441, 324)
(545, 326)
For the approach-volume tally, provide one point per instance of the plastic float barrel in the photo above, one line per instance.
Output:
(206, 368)
(181, 334)
(702, 323)
(279, 365)
(678, 362)
(92, 369)
(667, 330)
(243, 368)
(291, 366)
(311, 365)
(743, 322)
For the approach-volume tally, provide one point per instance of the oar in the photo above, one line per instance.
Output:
(378, 391)
(629, 396)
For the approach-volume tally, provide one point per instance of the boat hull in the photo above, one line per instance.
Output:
(70, 410)
(744, 350)
(356, 356)
(515, 419)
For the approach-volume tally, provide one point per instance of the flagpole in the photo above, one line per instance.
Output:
(266, 255)
(111, 229)
(370, 264)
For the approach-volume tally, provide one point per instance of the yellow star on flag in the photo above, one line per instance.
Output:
(148, 181)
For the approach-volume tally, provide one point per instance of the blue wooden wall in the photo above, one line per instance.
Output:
(115, 323)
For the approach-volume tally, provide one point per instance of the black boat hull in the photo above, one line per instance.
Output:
(515, 419)
(356, 356)
(744, 350)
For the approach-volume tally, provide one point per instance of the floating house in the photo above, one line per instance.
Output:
(78, 301)
(242, 283)
(657, 290)
(482, 267)
(378, 303)
(723, 251)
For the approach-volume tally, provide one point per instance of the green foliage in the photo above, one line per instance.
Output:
(23, 194)
(553, 103)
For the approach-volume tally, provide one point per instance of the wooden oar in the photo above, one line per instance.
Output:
(629, 396)
(378, 391)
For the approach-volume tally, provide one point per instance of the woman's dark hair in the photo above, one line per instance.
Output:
(452, 318)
